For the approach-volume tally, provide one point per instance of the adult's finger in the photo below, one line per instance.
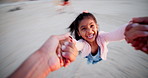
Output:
(67, 62)
(58, 51)
(137, 31)
(137, 27)
(137, 34)
(62, 37)
(70, 47)
(128, 27)
(69, 55)
(143, 20)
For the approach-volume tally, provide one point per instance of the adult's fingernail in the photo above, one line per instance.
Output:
(63, 53)
(63, 47)
(62, 64)
(59, 55)
(135, 24)
(66, 43)
(130, 22)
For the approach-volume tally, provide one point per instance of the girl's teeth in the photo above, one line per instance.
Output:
(90, 36)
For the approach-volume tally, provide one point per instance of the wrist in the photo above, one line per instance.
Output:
(46, 57)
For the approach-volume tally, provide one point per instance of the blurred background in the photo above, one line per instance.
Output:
(26, 24)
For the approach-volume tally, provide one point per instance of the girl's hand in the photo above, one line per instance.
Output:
(67, 51)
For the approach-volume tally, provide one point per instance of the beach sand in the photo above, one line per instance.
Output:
(26, 25)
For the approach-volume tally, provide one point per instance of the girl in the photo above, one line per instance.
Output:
(92, 43)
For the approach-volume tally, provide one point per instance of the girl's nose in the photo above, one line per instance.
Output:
(90, 31)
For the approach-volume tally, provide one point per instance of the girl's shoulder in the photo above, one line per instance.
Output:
(102, 34)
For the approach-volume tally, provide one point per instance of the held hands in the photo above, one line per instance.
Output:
(67, 51)
(56, 55)
(136, 33)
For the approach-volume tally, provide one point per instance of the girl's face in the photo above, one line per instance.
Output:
(88, 29)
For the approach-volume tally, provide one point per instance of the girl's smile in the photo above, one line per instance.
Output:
(91, 36)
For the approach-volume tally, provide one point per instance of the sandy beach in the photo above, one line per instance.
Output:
(26, 25)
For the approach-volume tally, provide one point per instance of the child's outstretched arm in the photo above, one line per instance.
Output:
(116, 35)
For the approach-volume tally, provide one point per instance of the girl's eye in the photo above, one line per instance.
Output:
(91, 25)
(83, 29)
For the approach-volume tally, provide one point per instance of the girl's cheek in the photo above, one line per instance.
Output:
(82, 34)
(95, 28)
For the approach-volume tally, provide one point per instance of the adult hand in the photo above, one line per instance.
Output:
(140, 20)
(44, 60)
(57, 56)
(136, 33)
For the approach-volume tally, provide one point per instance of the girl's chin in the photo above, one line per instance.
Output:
(90, 40)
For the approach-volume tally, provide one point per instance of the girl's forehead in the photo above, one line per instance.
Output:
(86, 22)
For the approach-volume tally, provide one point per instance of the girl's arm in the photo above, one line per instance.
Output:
(115, 35)
(79, 45)
(83, 47)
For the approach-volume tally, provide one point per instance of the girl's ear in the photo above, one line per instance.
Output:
(78, 34)
(97, 26)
